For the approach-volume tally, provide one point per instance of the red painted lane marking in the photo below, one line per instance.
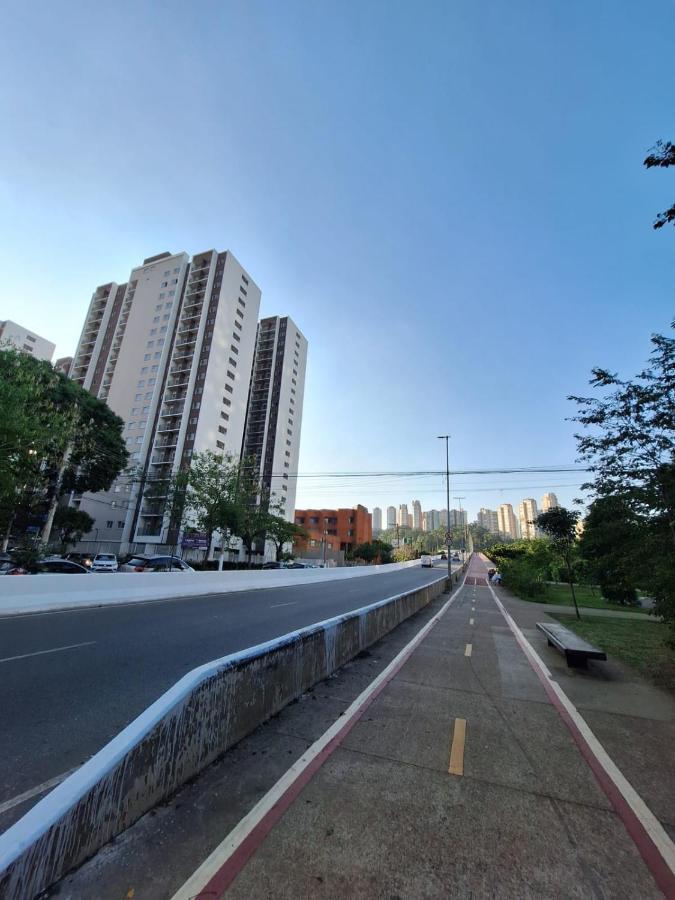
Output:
(223, 878)
(650, 853)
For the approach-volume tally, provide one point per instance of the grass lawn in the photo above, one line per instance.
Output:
(560, 594)
(642, 645)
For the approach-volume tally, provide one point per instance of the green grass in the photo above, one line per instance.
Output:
(642, 645)
(586, 596)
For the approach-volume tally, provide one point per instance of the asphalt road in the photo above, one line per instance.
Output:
(70, 681)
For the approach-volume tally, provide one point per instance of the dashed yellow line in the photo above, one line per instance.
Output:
(467, 651)
(456, 766)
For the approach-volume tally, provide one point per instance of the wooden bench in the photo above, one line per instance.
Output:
(577, 651)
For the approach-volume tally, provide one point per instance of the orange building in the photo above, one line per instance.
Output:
(342, 529)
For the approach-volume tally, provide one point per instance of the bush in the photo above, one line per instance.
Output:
(620, 593)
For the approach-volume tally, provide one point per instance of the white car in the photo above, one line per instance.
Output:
(426, 561)
(104, 562)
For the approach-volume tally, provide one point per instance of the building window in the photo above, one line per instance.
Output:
(241, 302)
(236, 336)
(237, 325)
(141, 383)
(156, 319)
(243, 291)
(287, 452)
(144, 370)
(159, 305)
(109, 523)
(138, 397)
(240, 314)
(158, 355)
(228, 388)
(220, 445)
(288, 431)
(230, 375)
(134, 411)
(233, 362)
(244, 279)
(234, 349)
(153, 331)
(164, 284)
(147, 357)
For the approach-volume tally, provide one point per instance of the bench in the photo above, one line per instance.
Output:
(577, 651)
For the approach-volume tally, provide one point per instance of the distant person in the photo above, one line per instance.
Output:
(496, 578)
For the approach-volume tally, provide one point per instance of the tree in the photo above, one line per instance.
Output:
(560, 524)
(71, 524)
(54, 437)
(662, 155)
(280, 531)
(610, 548)
(629, 443)
(206, 494)
(376, 551)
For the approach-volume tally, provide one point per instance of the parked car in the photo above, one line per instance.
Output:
(273, 565)
(104, 562)
(426, 561)
(297, 565)
(84, 559)
(155, 564)
(444, 555)
(59, 566)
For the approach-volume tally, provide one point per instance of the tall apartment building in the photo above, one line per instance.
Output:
(527, 513)
(63, 364)
(391, 517)
(27, 341)
(377, 520)
(171, 352)
(506, 521)
(274, 416)
(402, 517)
(410, 520)
(488, 519)
(417, 514)
(549, 501)
(458, 518)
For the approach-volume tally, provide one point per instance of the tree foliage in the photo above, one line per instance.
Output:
(661, 156)
(71, 524)
(377, 552)
(559, 524)
(610, 547)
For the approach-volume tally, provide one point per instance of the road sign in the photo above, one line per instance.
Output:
(448, 537)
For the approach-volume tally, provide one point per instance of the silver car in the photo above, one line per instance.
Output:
(104, 562)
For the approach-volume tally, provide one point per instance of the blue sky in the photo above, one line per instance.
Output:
(447, 197)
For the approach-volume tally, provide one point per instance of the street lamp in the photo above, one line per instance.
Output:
(446, 438)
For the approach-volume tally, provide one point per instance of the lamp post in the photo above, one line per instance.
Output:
(446, 438)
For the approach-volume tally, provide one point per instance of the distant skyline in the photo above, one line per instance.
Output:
(448, 199)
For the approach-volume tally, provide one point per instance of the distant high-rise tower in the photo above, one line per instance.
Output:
(507, 521)
(402, 518)
(377, 520)
(488, 519)
(410, 520)
(391, 516)
(549, 501)
(527, 513)
(417, 514)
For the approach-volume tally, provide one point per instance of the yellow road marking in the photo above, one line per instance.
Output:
(470, 621)
(456, 766)
(467, 652)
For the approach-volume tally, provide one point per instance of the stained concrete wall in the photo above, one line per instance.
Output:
(199, 718)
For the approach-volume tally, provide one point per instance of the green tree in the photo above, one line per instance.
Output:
(560, 524)
(610, 548)
(629, 444)
(376, 551)
(280, 531)
(206, 495)
(662, 155)
(71, 524)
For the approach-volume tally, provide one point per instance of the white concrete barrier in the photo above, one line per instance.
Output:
(21, 594)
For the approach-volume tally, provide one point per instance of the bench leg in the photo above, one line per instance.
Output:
(576, 660)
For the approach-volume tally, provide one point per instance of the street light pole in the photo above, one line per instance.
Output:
(446, 438)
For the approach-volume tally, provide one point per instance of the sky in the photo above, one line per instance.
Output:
(448, 198)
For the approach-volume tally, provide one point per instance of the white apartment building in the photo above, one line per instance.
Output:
(171, 352)
(417, 514)
(527, 513)
(549, 501)
(377, 519)
(391, 517)
(25, 340)
(274, 416)
(506, 521)
(489, 519)
(402, 518)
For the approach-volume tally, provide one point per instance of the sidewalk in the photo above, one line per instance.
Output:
(381, 816)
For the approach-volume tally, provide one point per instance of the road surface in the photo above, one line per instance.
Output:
(71, 680)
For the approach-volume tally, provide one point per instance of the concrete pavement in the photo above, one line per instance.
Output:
(409, 802)
(71, 680)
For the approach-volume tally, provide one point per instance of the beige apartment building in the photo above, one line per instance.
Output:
(172, 351)
(506, 521)
(527, 513)
(27, 341)
(549, 501)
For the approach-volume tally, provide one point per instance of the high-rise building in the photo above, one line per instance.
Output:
(274, 414)
(171, 351)
(391, 517)
(443, 518)
(377, 520)
(27, 341)
(417, 514)
(458, 518)
(63, 364)
(506, 521)
(434, 519)
(410, 520)
(402, 517)
(488, 519)
(549, 501)
(527, 513)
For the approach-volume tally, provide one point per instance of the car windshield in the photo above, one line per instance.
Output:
(105, 557)
(137, 561)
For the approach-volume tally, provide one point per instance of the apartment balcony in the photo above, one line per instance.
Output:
(175, 398)
(166, 444)
(169, 427)
(167, 413)
(177, 384)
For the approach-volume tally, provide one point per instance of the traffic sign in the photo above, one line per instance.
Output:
(448, 537)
